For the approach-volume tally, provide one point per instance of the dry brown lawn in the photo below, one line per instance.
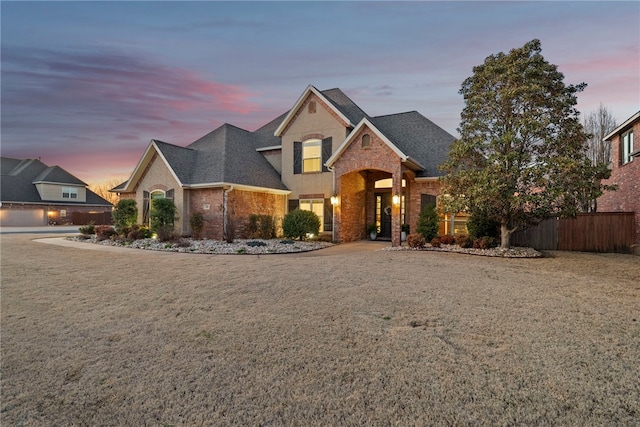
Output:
(328, 338)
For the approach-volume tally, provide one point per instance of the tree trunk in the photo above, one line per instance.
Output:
(505, 236)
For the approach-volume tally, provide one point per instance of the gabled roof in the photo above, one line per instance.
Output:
(419, 138)
(19, 177)
(226, 156)
(341, 105)
(419, 142)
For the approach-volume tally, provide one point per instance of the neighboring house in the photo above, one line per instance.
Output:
(36, 194)
(625, 171)
(325, 155)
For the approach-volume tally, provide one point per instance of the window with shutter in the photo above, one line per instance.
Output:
(426, 200)
(328, 215)
(145, 207)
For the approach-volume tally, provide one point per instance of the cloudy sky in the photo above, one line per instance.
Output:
(87, 85)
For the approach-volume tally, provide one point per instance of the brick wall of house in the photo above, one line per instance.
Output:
(627, 178)
(413, 202)
(241, 204)
(209, 202)
(356, 170)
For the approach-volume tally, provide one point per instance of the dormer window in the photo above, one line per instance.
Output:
(312, 107)
(366, 140)
(69, 193)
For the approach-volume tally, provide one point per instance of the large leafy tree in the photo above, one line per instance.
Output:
(521, 156)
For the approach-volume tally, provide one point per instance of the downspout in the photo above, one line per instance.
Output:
(225, 210)
(333, 207)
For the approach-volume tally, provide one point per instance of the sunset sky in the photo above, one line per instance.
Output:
(87, 85)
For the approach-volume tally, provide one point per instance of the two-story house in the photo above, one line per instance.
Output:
(34, 194)
(325, 155)
(625, 171)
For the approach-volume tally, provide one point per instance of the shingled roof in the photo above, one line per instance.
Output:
(19, 177)
(225, 155)
(417, 137)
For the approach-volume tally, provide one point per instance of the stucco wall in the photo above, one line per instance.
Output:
(157, 176)
(322, 124)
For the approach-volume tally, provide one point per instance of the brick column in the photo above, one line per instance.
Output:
(395, 208)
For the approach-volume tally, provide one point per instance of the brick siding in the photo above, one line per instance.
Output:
(627, 178)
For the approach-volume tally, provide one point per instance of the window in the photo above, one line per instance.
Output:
(314, 205)
(311, 156)
(69, 193)
(627, 147)
(366, 140)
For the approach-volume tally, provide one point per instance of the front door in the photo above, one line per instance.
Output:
(383, 214)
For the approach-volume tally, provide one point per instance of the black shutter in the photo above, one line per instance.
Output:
(328, 215)
(326, 152)
(297, 157)
(426, 200)
(293, 205)
(145, 207)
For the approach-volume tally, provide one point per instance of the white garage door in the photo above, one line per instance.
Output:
(22, 217)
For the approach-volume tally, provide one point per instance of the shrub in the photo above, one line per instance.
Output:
(125, 215)
(163, 213)
(479, 225)
(104, 232)
(415, 240)
(196, 222)
(298, 223)
(428, 222)
(435, 242)
(255, 243)
(447, 240)
(486, 242)
(261, 227)
(165, 233)
(87, 229)
(464, 241)
(139, 232)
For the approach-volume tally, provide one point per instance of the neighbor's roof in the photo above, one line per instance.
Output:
(19, 177)
(627, 123)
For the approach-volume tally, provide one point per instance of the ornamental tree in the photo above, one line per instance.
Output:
(521, 156)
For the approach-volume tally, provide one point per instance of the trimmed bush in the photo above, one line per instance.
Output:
(105, 232)
(464, 242)
(435, 242)
(447, 240)
(298, 223)
(486, 242)
(125, 215)
(415, 240)
(255, 243)
(139, 232)
(428, 222)
(87, 229)
(165, 233)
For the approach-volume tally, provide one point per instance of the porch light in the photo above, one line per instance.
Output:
(334, 199)
(396, 199)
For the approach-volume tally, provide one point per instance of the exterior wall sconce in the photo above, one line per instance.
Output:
(396, 199)
(334, 199)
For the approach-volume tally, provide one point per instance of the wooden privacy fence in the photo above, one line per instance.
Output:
(84, 218)
(588, 232)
